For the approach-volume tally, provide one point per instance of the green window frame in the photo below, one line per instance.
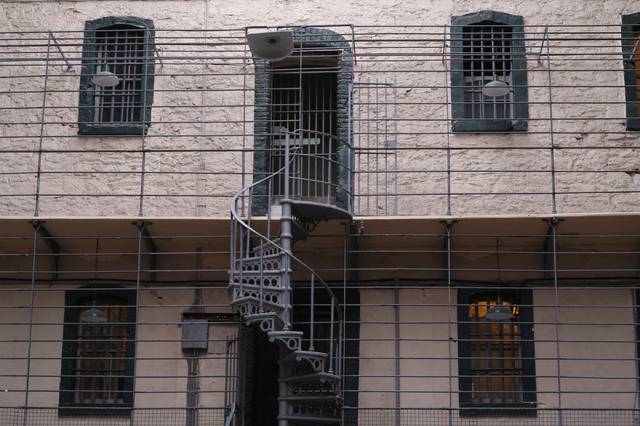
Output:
(488, 46)
(98, 357)
(123, 46)
(631, 60)
(496, 359)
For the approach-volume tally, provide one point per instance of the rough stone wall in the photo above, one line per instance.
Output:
(189, 106)
(597, 366)
(161, 366)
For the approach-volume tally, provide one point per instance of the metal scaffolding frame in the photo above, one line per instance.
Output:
(397, 277)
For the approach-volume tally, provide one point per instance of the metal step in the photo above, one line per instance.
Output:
(269, 279)
(310, 420)
(321, 377)
(273, 296)
(267, 321)
(291, 339)
(251, 305)
(321, 399)
(272, 262)
(317, 360)
(266, 249)
(256, 287)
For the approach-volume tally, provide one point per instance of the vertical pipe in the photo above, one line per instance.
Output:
(556, 291)
(27, 388)
(448, 230)
(137, 319)
(312, 313)
(333, 307)
(396, 323)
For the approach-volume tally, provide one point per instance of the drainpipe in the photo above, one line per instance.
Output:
(195, 339)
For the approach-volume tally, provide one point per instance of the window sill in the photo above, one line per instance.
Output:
(109, 130)
(507, 410)
(94, 411)
(489, 126)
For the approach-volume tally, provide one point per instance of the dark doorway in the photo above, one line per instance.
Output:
(303, 96)
(259, 366)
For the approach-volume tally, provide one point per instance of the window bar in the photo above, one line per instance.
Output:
(316, 148)
(482, 34)
(494, 44)
(112, 46)
(330, 94)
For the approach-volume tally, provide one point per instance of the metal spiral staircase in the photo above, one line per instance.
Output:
(261, 287)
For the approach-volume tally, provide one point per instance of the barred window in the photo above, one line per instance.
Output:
(488, 73)
(98, 350)
(117, 76)
(496, 350)
(631, 57)
(487, 59)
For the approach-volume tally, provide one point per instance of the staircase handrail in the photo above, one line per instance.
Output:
(238, 219)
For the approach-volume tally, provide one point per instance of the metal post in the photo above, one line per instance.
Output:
(331, 336)
(285, 244)
(312, 313)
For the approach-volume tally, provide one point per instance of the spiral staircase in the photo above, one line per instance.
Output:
(261, 287)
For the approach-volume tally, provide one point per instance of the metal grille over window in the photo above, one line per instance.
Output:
(495, 352)
(312, 79)
(636, 64)
(101, 355)
(119, 56)
(487, 71)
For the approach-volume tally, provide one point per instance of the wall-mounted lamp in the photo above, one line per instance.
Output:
(499, 313)
(93, 315)
(495, 89)
(105, 78)
(271, 45)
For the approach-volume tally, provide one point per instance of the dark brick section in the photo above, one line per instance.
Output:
(518, 74)
(316, 38)
(630, 28)
(86, 124)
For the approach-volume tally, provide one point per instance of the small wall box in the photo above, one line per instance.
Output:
(195, 334)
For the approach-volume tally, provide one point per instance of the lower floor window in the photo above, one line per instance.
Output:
(496, 355)
(98, 350)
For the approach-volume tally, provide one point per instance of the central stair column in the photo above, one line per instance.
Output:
(285, 243)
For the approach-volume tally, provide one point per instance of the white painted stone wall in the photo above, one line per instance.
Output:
(161, 367)
(597, 351)
(165, 193)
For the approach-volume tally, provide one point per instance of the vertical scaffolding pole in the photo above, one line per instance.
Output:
(448, 230)
(553, 223)
(27, 387)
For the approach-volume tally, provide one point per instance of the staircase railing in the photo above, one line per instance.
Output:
(243, 234)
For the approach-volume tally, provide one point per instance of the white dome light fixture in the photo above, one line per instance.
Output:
(105, 78)
(93, 315)
(271, 45)
(495, 89)
(499, 313)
